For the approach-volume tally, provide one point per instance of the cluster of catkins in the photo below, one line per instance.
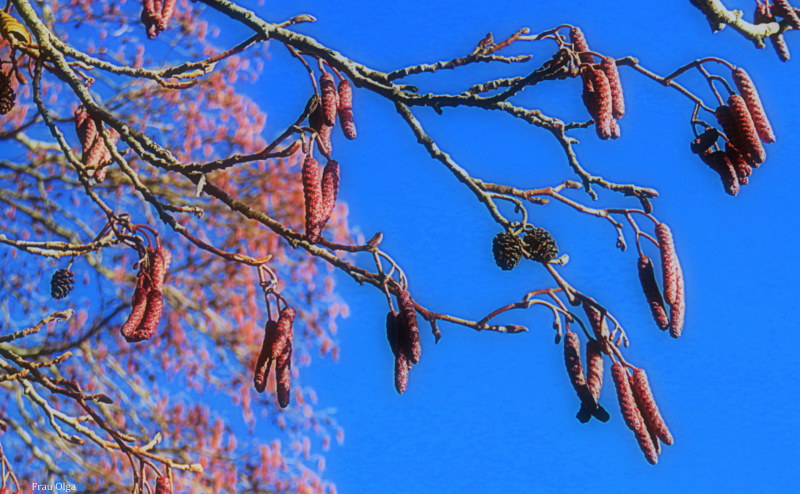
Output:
(148, 297)
(602, 89)
(745, 126)
(766, 14)
(332, 102)
(156, 15)
(96, 155)
(320, 192)
(672, 272)
(636, 402)
(537, 244)
(277, 348)
(7, 94)
(7, 490)
(402, 332)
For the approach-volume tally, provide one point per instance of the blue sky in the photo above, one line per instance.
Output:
(495, 413)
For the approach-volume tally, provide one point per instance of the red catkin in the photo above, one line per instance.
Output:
(609, 68)
(345, 109)
(327, 87)
(317, 122)
(762, 15)
(753, 101)
(631, 414)
(283, 376)
(579, 44)
(594, 368)
(312, 192)
(408, 329)
(400, 373)
(156, 15)
(572, 360)
(159, 264)
(725, 119)
(283, 332)
(743, 170)
(647, 277)
(748, 135)
(139, 302)
(264, 362)
(330, 190)
(163, 485)
(648, 408)
(673, 280)
(598, 100)
(596, 319)
(166, 14)
(721, 163)
(784, 9)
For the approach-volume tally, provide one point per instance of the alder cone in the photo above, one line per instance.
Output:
(163, 485)
(609, 68)
(753, 101)
(61, 283)
(748, 135)
(507, 250)
(328, 98)
(631, 414)
(7, 94)
(345, 109)
(579, 44)
(648, 408)
(329, 189)
(408, 329)
(264, 362)
(540, 245)
(312, 193)
(721, 163)
(647, 277)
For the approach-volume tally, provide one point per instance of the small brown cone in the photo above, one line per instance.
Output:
(631, 414)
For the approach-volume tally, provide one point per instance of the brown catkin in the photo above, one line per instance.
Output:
(391, 332)
(597, 319)
(264, 362)
(598, 100)
(647, 277)
(330, 190)
(408, 329)
(594, 368)
(283, 333)
(743, 170)
(283, 376)
(163, 485)
(579, 44)
(345, 109)
(753, 101)
(721, 163)
(748, 134)
(151, 17)
(648, 408)
(572, 360)
(725, 119)
(780, 47)
(312, 193)
(609, 68)
(140, 293)
(400, 373)
(631, 414)
(166, 14)
(327, 87)
(783, 8)
(670, 266)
